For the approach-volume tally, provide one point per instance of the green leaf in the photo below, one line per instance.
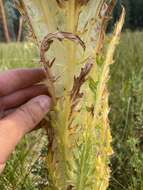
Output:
(93, 85)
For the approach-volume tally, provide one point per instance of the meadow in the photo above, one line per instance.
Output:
(26, 170)
(126, 115)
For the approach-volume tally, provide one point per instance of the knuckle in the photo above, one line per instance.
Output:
(28, 116)
(40, 107)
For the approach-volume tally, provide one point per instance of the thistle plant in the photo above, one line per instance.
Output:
(70, 35)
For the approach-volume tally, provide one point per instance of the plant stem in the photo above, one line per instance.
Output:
(4, 20)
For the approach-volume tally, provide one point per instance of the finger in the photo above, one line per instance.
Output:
(13, 80)
(22, 121)
(20, 97)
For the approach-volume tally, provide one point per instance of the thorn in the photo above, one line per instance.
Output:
(51, 62)
(56, 78)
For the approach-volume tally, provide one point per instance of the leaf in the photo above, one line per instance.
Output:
(92, 85)
(78, 81)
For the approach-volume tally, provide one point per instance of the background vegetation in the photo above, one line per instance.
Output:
(12, 16)
(126, 116)
(134, 16)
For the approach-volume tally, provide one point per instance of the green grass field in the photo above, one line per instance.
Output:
(16, 55)
(26, 169)
(126, 116)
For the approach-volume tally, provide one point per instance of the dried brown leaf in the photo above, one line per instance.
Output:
(78, 81)
(105, 14)
(48, 40)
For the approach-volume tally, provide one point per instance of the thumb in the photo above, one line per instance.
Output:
(29, 115)
(23, 120)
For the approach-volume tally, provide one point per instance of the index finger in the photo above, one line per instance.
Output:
(13, 80)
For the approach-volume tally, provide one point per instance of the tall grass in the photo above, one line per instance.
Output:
(126, 116)
(16, 55)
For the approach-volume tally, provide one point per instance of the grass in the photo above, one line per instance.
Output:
(16, 55)
(26, 170)
(126, 116)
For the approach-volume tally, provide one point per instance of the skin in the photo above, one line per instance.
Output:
(23, 104)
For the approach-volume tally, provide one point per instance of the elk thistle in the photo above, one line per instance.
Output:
(71, 37)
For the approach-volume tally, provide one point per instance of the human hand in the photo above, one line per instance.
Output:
(23, 104)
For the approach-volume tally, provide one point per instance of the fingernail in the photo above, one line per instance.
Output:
(45, 102)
